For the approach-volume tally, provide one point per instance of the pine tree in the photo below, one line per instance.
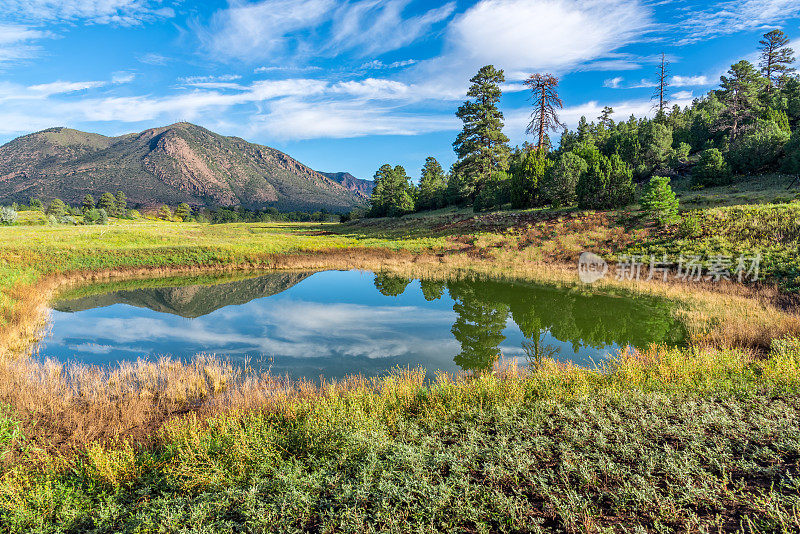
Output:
(739, 93)
(108, 203)
(432, 185)
(544, 96)
(120, 204)
(88, 203)
(605, 117)
(183, 211)
(659, 201)
(392, 193)
(776, 57)
(481, 146)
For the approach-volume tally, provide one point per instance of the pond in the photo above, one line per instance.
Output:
(337, 323)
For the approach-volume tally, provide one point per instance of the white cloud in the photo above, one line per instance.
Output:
(687, 81)
(297, 119)
(521, 35)
(154, 59)
(119, 12)
(17, 41)
(682, 95)
(613, 83)
(259, 30)
(373, 26)
(641, 84)
(123, 77)
(56, 88)
(724, 18)
(280, 28)
(377, 64)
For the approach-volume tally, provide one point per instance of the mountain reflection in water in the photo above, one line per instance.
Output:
(337, 323)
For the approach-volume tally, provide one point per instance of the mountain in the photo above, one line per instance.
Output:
(350, 182)
(168, 165)
(189, 301)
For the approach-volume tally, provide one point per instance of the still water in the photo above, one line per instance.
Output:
(338, 323)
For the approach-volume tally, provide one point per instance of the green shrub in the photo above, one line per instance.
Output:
(791, 164)
(495, 192)
(183, 211)
(558, 185)
(134, 214)
(95, 216)
(165, 213)
(8, 216)
(57, 208)
(759, 149)
(711, 169)
(659, 201)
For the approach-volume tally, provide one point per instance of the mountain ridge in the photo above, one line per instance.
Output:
(181, 162)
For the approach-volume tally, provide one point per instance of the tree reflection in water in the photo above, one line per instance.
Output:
(582, 319)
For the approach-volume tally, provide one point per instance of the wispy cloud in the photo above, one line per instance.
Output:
(18, 41)
(613, 83)
(688, 81)
(722, 18)
(270, 28)
(118, 12)
(377, 64)
(154, 59)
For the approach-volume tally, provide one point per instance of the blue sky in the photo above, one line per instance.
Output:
(350, 85)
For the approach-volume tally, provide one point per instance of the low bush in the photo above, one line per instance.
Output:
(8, 216)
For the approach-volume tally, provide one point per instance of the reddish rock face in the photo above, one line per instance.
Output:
(173, 164)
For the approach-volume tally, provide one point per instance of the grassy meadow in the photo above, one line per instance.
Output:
(698, 439)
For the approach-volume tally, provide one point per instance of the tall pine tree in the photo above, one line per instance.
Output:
(776, 57)
(482, 148)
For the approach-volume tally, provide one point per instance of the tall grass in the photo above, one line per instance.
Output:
(700, 440)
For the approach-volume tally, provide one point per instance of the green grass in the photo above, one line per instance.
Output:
(766, 189)
(703, 441)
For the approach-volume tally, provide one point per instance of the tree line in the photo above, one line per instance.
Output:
(749, 125)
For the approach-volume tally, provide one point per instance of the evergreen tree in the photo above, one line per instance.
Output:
(739, 94)
(479, 326)
(558, 186)
(711, 169)
(108, 203)
(605, 117)
(481, 146)
(36, 204)
(776, 58)
(659, 201)
(164, 212)
(525, 182)
(120, 204)
(392, 195)
(183, 211)
(57, 208)
(88, 203)
(432, 186)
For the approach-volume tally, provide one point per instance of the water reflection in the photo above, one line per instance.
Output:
(336, 323)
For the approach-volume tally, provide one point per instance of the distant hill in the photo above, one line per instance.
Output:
(350, 182)
(168, 165)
